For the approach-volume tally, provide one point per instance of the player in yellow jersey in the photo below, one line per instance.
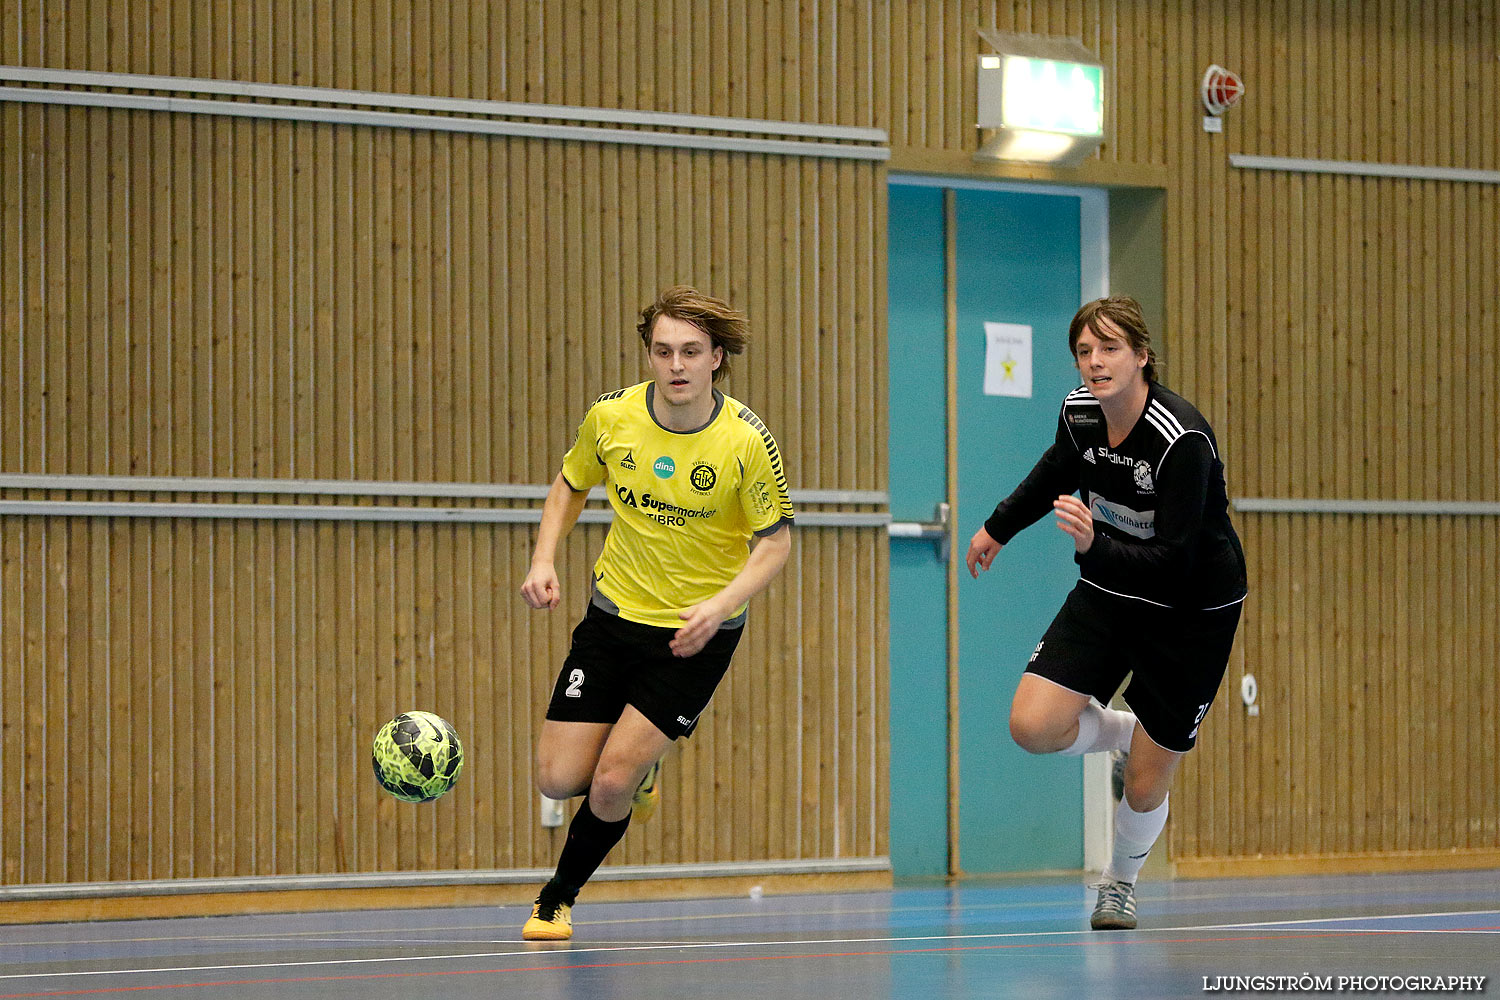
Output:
(702, 524)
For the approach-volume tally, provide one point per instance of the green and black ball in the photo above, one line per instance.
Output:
(417, 756)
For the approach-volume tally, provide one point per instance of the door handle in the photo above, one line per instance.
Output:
(935, 531)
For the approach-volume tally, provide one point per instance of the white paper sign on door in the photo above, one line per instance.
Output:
(1007, 360)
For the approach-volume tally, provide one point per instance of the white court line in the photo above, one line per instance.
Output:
(1373, 916)
(704, 945)
(959, 907)
(679, 946)
(303, 936)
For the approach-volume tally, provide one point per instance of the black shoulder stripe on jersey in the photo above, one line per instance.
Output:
(603, 399)
(750, 418)
(771, 450)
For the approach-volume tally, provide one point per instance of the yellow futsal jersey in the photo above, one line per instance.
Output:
(685, 502)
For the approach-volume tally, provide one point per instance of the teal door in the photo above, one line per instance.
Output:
(919, 590)
(1019, 260)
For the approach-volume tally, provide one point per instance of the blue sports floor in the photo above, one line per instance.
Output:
(1024, 938)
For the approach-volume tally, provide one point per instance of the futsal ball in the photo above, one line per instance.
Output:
(417, 756)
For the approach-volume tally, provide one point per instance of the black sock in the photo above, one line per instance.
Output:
(590, 839)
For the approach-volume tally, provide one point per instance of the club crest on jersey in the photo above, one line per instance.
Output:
(664, 467)
(1143, 479)
(703, 477)
(628, 462)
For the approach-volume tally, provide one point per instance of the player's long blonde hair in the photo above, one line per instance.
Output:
(726, 326)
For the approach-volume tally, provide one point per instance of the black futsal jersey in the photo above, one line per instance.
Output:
(1161, 512)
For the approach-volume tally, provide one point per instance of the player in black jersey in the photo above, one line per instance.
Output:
(1161, 581)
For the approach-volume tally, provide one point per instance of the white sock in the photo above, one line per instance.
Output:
(1101, 728)
(1135, 832)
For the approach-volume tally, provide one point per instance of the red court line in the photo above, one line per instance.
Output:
(1089, 942)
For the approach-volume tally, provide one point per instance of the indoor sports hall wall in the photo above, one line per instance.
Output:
(1339, 332)
(207, 296)
(1360, 363)
(198, 295)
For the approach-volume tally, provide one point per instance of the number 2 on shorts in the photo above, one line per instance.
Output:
(575, 683)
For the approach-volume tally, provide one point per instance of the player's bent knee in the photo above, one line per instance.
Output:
(1033, 733)
(559, 782)
(612, 785)
(1145, 791)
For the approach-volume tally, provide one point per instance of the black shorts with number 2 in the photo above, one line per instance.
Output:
(1176, 658)
(614, 663)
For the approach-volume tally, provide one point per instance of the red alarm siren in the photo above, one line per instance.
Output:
(1221, 89)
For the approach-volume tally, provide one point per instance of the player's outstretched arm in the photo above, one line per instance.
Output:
(982, 551)
(540, 589)
(702, 620)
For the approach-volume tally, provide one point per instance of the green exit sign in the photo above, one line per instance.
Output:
(1052, 96)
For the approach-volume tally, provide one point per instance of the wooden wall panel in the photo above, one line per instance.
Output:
(185, 755)
(1337, 332)
(193, 296)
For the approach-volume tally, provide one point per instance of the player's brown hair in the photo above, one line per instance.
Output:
(726, 326)
(1125, 313)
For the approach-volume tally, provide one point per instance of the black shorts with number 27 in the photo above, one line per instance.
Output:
(1176, 658)
(614, 663)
